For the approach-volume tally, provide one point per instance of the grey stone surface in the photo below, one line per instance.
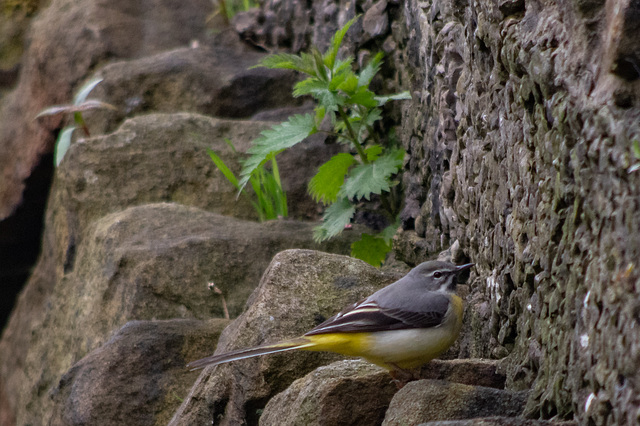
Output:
(431, 400)
(520, 138)
(67, 40)
(147, 262)
(349, 392)
(137, 377)
(299, 290)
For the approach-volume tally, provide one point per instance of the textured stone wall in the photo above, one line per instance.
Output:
(519, 138)
(519, 135)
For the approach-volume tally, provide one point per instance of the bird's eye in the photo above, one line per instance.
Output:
(437, 274)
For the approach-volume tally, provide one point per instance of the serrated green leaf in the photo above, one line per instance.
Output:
(349, 85)
(374, 177)
(321, 70)
(325, 185)
(343, 65)
(388, 233)
(329, 99)
(373, 152)
(370, 248)
(336, 217)
(372, 116)
(84, 91)
(364, 97)
(395, 97)
(63, 143)
(309, 86)
(370, 70)
(336, 41)
(274, 140)
(303, 63)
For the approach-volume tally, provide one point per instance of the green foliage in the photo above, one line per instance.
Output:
(374, 248)
(229, 8)
(80, 104)
(352, 109)
(274, 140)
(635, 150)
(269, 199)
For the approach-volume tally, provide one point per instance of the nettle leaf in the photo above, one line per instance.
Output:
(349, 85)
(309, 86)
(373, 152)
(395, 97)
(320, 91)
(336, 217)
(325, 185)
(370, 70)
(374, 177)
(364, 97)
(274, 140)
(336, 41)
(303, 63)
(343, 65)
(371, 248)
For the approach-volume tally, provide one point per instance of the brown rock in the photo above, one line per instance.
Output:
(429, 400)
(350, 392)
(67, 40)
(298, 291)
(214, 80)
(146, 262)
(138, 377)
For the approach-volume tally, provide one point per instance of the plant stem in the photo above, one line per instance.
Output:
(352, 135)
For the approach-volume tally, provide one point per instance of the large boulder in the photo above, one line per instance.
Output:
(148, 262)
(163, 157)
(210, 79)
(67, 40)
(136, 378)
(299, 290)
(348, 392)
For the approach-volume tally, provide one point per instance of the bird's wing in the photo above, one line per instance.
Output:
(369, 315)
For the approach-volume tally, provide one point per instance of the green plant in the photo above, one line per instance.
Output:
(270, 199)
(635, 149)
(229, 8)
(80, 105)
(352, 109)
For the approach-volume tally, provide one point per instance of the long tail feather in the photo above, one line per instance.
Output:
(287, 345)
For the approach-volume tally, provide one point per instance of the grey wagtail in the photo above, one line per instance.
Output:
(402, 326)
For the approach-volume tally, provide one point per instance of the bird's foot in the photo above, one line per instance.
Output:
(401, 376)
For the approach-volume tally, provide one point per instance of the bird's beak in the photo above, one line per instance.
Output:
(464, 267)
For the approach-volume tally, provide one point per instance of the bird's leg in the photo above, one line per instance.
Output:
(401, 376)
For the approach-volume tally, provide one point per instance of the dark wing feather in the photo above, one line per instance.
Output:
(369, 316)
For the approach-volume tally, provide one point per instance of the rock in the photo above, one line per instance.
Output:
(67, 40)
(214, 80)
(147, 262)
(525, 162)
(299, 290)
(498, 421)
(160, 157)
(477, 372)
(138, 377)
(349, 392)
(430, 400)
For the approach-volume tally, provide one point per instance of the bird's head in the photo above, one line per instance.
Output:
(437, 275)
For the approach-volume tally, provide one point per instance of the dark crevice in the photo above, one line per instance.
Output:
(21, 235)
